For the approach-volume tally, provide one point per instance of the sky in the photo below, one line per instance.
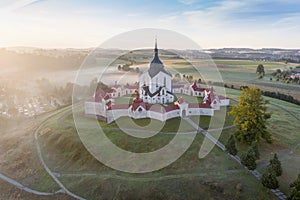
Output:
(210, 23)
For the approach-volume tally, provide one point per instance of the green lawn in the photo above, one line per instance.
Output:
(214, 176)
(285, 129)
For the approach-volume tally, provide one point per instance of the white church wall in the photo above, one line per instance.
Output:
(177, 90)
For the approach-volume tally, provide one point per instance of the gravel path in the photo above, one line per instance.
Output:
(22, 187)
(40, 156)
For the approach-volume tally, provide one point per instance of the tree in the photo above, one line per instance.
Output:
(177, 76)
(137, 70)
(260, 70)
(101, 86)
(251, 117)
(230, 146)
(249, 159)
(269, 179)
(294, 191)
(278, 71)
(276, 165)
(119, 67)
(254, 147)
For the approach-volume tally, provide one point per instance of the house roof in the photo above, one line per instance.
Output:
(196, 88)
(110, 90)
(157, 92)
(171, 108)
(106, 97)
(137, 103)
(199, 105)
(120, 107)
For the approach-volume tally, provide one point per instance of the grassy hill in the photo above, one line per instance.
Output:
(216, 176)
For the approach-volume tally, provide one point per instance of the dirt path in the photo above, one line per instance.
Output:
(22, 187)
(152, 178)
(36, 134)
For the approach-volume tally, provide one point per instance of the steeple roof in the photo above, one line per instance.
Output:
(156, 65)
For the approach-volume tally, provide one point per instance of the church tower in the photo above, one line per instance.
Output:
(156, 82)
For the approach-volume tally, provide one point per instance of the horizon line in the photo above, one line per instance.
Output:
(86, 48)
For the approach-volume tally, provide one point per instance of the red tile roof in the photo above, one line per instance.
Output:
(106, 97)
(137, 103)
(110, 91)
(120, 107)
(196, 88)
(171, 108)
(199, 105)
(158, 109)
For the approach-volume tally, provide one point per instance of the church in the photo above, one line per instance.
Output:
(154, 97)
(155, 84)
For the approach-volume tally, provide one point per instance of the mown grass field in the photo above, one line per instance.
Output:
(237, 73)
(215, 176)
(284, 125)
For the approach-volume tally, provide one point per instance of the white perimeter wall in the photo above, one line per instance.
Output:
(224, 102)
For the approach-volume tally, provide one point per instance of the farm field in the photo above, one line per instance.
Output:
(241, 72)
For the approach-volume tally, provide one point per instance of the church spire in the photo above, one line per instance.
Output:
(155, 49)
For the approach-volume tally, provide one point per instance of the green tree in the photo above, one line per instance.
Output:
(260, 69)
(278, 71)
(294, 191)
(254, 146)
(269, 179)
(231, 146)
(137, 70)
(276, 165)
(251, 117)
(249, 159)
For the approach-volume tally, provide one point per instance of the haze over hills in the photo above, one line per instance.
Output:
(59, 59)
